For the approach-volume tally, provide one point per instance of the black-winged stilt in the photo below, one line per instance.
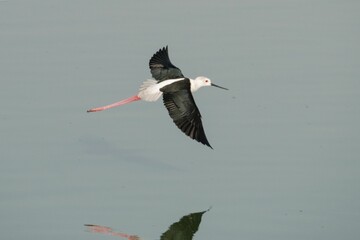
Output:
(177, 95)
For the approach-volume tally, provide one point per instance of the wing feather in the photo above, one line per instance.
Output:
(161, 67)
(182, 109)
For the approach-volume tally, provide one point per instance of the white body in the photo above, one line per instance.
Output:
(150, 89)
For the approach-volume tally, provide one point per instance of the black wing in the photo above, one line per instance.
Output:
(182, 109)
(161, 68)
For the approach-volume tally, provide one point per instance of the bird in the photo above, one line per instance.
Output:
(176, 89)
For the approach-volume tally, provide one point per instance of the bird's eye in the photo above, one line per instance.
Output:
(206, 80)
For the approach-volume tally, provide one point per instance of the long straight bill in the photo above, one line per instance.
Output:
(125, 101)
(218, 86)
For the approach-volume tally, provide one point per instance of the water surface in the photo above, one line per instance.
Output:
(286, 137)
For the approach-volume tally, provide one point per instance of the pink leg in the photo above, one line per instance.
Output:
(125, 101)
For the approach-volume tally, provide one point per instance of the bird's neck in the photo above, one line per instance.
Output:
(194, 85)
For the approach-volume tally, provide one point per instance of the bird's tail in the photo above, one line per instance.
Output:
(149, 91)
(147, 83)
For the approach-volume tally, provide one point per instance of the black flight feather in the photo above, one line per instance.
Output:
(161, 67)
(182, 109)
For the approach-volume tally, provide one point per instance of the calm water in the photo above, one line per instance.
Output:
(286, 136)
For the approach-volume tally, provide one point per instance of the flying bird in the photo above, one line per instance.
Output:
(176, 89)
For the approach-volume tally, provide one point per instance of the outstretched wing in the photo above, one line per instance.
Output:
(161, 68)
(182, 109)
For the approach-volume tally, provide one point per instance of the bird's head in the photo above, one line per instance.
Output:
(204, 81)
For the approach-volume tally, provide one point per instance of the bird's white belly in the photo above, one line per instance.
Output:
(150, 89)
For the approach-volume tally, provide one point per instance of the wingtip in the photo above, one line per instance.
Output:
(208, 144)
(163, 49)
(205, 142)
(166, 49)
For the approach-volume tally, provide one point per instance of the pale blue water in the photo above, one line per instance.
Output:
(286, 136)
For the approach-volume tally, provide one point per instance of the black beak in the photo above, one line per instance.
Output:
(218, 86)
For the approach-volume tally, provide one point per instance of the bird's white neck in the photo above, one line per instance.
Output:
(194, 85)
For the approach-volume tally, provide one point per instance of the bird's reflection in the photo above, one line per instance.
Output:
(184, 229)
(106, 230)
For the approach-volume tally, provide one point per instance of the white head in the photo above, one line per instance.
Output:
(202, 82)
